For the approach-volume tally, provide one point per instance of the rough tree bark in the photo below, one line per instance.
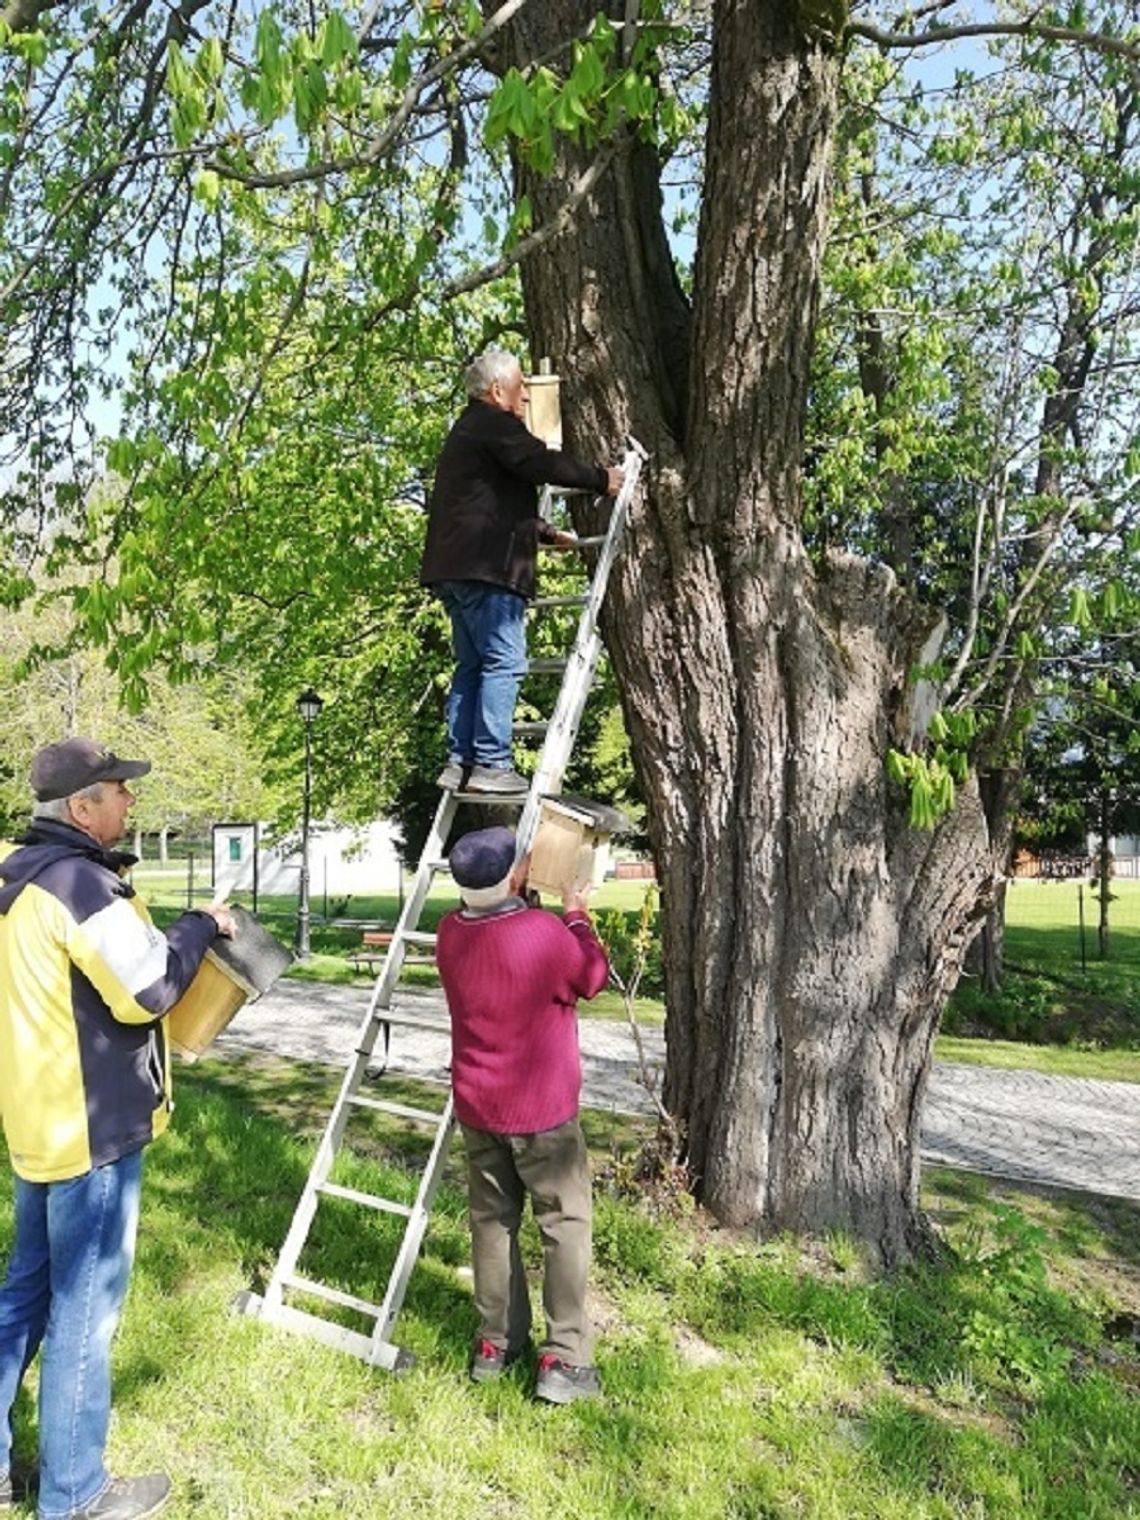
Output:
(810, 937)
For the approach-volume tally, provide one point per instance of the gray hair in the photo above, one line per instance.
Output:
(493, 365)
(56, 807)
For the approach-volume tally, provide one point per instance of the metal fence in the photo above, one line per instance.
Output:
(1051, 917)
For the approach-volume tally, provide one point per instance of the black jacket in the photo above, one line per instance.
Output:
(482, 522)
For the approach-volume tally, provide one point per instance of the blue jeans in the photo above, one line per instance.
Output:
(67, 1278)
(489, 635)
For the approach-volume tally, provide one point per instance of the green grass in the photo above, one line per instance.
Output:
(1054, 1060)
(741, 1380)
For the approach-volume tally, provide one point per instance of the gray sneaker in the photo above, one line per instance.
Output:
(561, 1382)
(489, 1362)
(497, 779)
(450, 777)
(128, 1499)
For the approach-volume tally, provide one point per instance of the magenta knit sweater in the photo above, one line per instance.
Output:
(512, 982)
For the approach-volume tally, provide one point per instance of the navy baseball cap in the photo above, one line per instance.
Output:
(482, 859)
(59, 770)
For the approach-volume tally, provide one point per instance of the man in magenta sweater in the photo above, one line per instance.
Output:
(513, 975)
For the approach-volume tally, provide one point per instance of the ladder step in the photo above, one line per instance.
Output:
(550, 667)
(322, 1330)
(333, 1295)
(530, 729)
(397, 1110)
(579, 600)
(415, 937)
(591, 542)
(369, 1200)
(400, 1020)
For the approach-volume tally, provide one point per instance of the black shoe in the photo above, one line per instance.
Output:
(17, 1484)
(496, 779)
(489, 1361)
(561, 1382)
(127, 1499)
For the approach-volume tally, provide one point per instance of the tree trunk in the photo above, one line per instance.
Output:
(137, 848)
(164, 843)
(986, 956)
(810, 937)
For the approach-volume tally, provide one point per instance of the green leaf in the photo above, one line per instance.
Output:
(897, 766)
(1080, 614)
(339, 40)
(401, 71)
(207, 187)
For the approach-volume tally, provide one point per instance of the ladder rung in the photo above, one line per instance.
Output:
(579, 600)
(547, 667)
(397, 1110)
(369, 1200)
(535, 729)
(419, 960)
(414, 937)
(590, 542)
(437, 865)
(333, 1295)
(411, 1021)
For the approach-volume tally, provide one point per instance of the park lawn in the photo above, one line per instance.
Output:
(1049, 995)
(742, 1380)
(1054, 1060)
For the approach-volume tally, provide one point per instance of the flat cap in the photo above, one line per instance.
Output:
(482, 859)
(60, 769)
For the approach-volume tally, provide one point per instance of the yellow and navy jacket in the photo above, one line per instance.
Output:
(85, 978)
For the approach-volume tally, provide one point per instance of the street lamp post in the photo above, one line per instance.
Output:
(308, 706)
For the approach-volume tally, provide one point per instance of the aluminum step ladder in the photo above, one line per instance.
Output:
(408, 946)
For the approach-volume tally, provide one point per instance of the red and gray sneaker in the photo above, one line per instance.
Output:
(489, 1361)
(562, 1382)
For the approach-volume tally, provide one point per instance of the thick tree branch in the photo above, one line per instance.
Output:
(545, 234)
(24, 15)
(1099, 42)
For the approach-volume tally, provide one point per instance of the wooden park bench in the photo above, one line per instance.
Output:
(369, 955)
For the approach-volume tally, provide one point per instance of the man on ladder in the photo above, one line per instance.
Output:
(288, 1280)
(482, 543)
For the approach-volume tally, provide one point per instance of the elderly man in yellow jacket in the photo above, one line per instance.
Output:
(85, 979)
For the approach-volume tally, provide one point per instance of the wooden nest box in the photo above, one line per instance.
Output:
(234, 972)
(543, 407)
(571, 844)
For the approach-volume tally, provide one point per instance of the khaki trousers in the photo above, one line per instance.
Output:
(552, 1168)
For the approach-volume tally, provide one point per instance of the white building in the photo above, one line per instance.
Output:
(342, 862)
(1125, 851)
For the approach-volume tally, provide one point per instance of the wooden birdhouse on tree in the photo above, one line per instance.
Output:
(543, 407)
(571, 848)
